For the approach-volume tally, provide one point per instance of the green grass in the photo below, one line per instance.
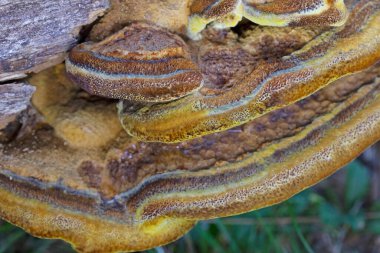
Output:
(338, 215)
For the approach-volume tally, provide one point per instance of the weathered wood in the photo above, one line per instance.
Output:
(35, 34)
(14, 101)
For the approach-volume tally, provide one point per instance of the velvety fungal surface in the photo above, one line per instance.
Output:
(108, 198)
(227, 13)
(275, 110)
(272, 84)
(139, 63)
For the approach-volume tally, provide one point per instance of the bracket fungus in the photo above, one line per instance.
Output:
(271, 85)
(237, 120)
(227, 13)
(139, 63)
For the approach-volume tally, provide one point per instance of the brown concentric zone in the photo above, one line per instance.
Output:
(227, 13)
(293, 148)
(271, 85)
(213, 9)
(139, 63)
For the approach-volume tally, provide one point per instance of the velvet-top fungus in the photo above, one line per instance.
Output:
(271, 85)
(220, 120)
(139, 63)
(227, 13)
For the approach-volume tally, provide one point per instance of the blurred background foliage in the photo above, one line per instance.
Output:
(340, 214)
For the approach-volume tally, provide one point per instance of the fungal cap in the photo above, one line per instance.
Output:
(44, 192)
(141, 63)
(228, 13)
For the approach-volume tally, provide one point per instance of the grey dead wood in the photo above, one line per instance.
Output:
(35, 34)
(14, 103)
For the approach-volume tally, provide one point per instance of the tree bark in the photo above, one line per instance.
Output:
(14, 102)
(35, 34)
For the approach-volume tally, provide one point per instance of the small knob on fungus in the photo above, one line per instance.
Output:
(142, 62)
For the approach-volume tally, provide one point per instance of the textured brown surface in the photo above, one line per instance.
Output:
(272, 84)
(36, 34)
(141, 62)
(213, 9)
(125, 162)
(131, 182)
(225, 56)
(227, 13)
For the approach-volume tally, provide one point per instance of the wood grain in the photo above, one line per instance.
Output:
(35, 34)
(14, 101)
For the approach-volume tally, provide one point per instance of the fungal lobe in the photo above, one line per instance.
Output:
(270, 85)
(131, 196)
(227, 13)
(139, 63)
